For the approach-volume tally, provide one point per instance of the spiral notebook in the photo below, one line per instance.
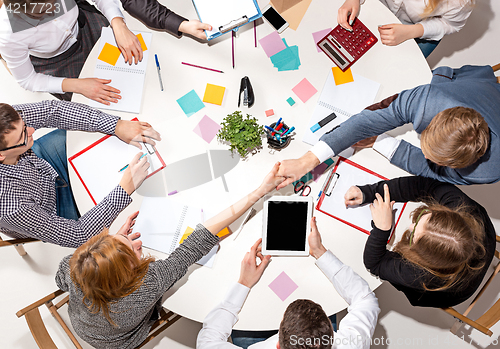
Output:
(344, 100)
(165, 223)
(129, 79)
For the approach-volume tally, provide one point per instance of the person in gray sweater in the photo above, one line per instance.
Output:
(115, 293)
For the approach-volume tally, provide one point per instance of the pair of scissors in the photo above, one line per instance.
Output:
(302, 189)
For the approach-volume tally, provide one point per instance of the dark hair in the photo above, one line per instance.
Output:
(8, 116)
(304, 319)
(451, 247)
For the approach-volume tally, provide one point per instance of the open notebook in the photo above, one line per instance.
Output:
(165, 223)
(331, 201)
(129, 79)
(97, 165)
(345, 100)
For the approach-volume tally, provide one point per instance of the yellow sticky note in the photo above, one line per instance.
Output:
(188, 232)
(223, 232)
(214, 94)
(141, 40)
(342, 77)
(109, 54)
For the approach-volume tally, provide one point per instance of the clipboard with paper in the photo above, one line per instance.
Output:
(226, 15)
(345, 174)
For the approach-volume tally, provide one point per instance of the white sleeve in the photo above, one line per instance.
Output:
(357, 327)
(17, 57)
(386, 145)
(109, 8)
(322, 151)
(447, 23)
(219, 323)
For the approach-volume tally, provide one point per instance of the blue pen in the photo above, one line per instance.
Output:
(125, 167)
(158, 69)
(271, 129)
(278, 122)
(287, 132)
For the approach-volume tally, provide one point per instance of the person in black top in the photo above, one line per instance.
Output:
(443, 257)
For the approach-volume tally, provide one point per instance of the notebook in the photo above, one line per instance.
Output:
(129, 79)
(98, 164)
(331, 201)
(345, 100)
(165, 223)
(226, 15)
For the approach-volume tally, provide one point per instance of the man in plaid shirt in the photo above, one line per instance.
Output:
(35, 196)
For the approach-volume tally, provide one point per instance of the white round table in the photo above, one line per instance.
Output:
(395, 68)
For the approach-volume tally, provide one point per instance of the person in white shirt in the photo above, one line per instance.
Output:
(304, 321)
(426, 21)
(46, 42)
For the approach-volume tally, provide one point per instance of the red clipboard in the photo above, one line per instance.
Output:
(72, 158)
(324, 195)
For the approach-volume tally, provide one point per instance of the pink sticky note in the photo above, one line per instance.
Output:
(320, 35)
(283, 286)
(207, 129)
(272, 44)
(304, 90)
(319, 170)
(269, 112)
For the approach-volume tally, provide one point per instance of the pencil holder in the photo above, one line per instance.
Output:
(275, 144)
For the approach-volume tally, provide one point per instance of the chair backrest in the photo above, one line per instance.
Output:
(490, 317)
(17, 243)
(42, 337)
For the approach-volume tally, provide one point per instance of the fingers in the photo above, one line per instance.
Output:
(205, 26)
(387, 196)
(133, 215)
(351, 19)
(253, 249)
(125, 55)
(342, 18)
(314, 227)
(284, 183)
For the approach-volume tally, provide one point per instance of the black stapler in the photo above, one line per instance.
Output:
(247, 90)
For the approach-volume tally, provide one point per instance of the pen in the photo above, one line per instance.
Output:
(158, 69)
(199, 66)
(125, 167)
(289, 130)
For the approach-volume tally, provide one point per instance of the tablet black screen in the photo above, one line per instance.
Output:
(286, 226)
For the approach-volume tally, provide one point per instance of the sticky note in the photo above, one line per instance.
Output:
(304, 90)
(315, 173)
(190, 103)
(141, 40)
(283, 286)
(207, 129)
(272, 44)
(269, 112)
(319, 170)
(223, 232)
(342, 77)
(109, 54)
(188, 232)
(214, 94)
(290, 101)
(320, 35)
(287, 59)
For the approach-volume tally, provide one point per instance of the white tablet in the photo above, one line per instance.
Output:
(286, 225)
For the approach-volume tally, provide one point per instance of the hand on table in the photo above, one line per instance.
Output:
(135, 174)
(347, 13)
(93, 88)
(271, 181)
(127, 42)
(195, 28)
(394, 34)
(381, 209)
(133, 132)
(251, 272)
(292, 170)
(353, 197)
(316, 248)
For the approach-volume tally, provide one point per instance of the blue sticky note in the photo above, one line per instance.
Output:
(290, 101)
(190, 103)
(287, 59)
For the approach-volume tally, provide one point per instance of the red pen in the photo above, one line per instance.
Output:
(278, 128)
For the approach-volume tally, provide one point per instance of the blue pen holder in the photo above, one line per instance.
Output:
(275, 144)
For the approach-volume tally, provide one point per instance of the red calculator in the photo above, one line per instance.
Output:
(344, 48)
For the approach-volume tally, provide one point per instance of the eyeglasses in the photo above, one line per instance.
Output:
(416, 222)
(25, 134)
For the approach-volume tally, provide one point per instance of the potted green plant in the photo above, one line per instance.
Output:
(243, 134)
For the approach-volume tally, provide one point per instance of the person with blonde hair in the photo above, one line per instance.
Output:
(426, 21)
(115, 294)
(443, 257)
(457, 114)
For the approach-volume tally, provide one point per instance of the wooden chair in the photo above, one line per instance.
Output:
(42, 336)
(496, 68)
(489, 318)
(17, 243)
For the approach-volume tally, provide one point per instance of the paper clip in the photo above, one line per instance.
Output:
(233, 24)
(330, 181)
